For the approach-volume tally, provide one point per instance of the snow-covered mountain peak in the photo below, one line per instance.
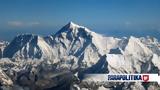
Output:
(27, 46)
(24, 38)
(72, 25)
(136, 47)
(74, 29)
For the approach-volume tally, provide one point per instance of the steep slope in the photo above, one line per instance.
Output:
(79, 42)
(135, 57)
(28, 46)
(152, 43)
(136, 47)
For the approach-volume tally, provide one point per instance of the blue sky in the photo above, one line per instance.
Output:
(109, 17)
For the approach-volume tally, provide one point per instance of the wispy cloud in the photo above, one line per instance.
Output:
(15, 23)
(22, 24)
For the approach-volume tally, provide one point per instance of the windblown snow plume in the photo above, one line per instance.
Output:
(59, 61)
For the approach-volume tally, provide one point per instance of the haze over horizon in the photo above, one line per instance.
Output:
(109, 17)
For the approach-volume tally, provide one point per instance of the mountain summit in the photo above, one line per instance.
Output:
(71, 25)
(72, 28)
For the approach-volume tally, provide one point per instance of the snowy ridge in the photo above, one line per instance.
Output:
(27, 46)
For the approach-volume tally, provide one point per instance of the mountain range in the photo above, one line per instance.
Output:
(33, 62)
